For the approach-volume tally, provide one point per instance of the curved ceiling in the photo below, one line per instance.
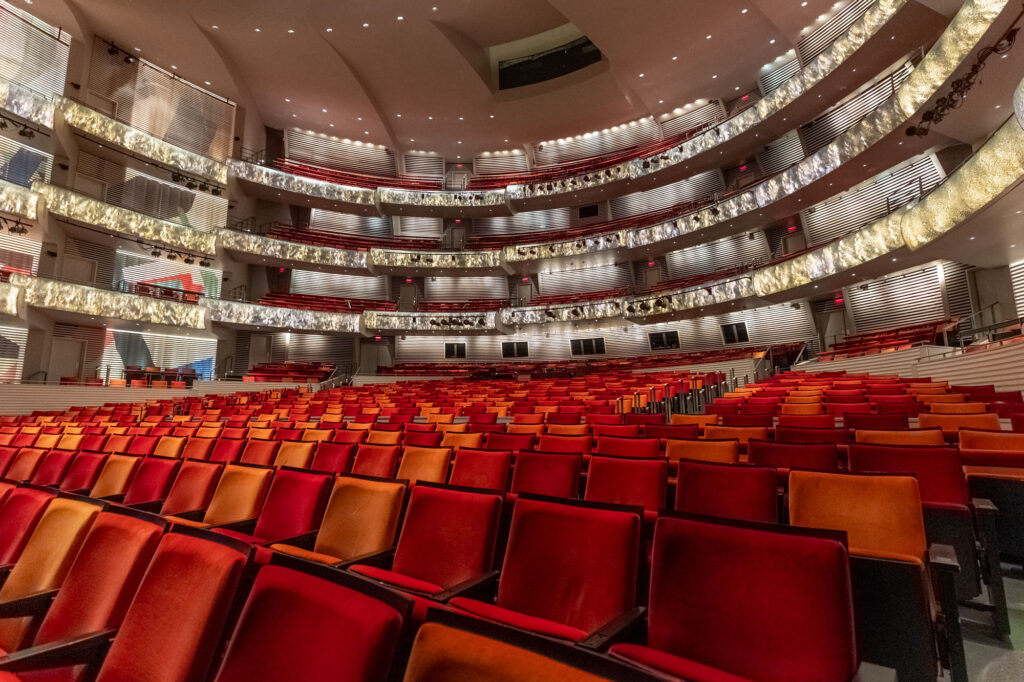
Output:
(414, 74)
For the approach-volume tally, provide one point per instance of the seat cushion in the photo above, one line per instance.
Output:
(518, 620)
(673, 665)
(397, 579)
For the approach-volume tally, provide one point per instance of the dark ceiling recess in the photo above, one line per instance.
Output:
(543, 66)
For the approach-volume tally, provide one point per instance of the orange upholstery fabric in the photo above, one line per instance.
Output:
(722, 451)
(901, 437)
(295, 454)
(425, 464)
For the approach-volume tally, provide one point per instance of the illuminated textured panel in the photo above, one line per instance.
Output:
(392, 321)
(597, 310)
(75, 298)
(408, 197)
(25, 103)
(17, 200)
(284, 318)
(277, 248)
(286, 182)
(10, 296)
(435, 259)
(105, 128)
(83, 209)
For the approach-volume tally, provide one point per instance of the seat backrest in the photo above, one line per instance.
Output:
(730, 491)
(568, 444)
(227, 449)
(509, 441)
(198, 448)
(425, 464)
(462, 440)
(333, 457)
(723, 451)
(93, 442)
(556, 475)
(814, 456)
(881, 514)
(259, 452)
(376, 460)
(707, 610)
(900, 437)
(487, 469)
(952, 423)
(239, 495)
(294, 505)
(564, 417)
(193, 487)
(103, 578)
(448, 536)
(937, 468)
(1008, 441)
(142, 445)
(627, 480)
(814, 421)
(116, 474)
(891, 421)
(152, 481)
(23, 466)
(19, 514)
(628, 447)
(51, 467)
(424, 439)
(317, 434)
(616, 430)
(350, 435)
(297, 454)
(803, 434)
(70, 442)
(556, 429)
(382, 437)
(83, 472)
(167, 637)
(45, 561)
(361, 517)
(588, 558)
(169, 446)
(296, 606)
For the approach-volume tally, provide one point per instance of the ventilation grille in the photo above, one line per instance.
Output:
(820, 39)
(525, 223)
(585, 279)
(494, 164)
(958, 292)
(418, 164)
(872, 200)
(102, 256)
(595, 144)
(348, 223)
(334, 350)
(340, 286)
(777, 76)
(718, 255)
(897, 300)
(12, 353)
(1017, 277)
(421, 227)
(18, 254)
(134, 267)
(115, 349)
(782, 153)
(837, 120)
(334, 153)
(700, 186)
(464, 288)
(148, 98)
(32, 53)
(712, 112)
(21, 165)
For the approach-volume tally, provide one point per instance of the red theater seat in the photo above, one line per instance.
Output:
(728, 490)
(488, 469)
(554, 475)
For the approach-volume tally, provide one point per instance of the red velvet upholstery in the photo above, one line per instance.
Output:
(616, 430)
(564, 418)
(627, 480)
(448, 537)
(481, 469)
(260, 452)
(790, 434)
(786, 456)
(569, 444)
(349, 435)
(198, 448)
(193, 487)
(876, 421)
(142, 445)
(227, 450)
(84, 470)
(296, 626)
(509, 441)
(294, 505)
(751, 602)
(23, 466)
(152, 481)
(333, 457)
(808, 421)
(18, 517)
(93, 442)
(727, 490)
(423, 439)
(172, 627)
(568, 569)
(547, 474)
(627, 447)
(52, 467)
(938, 469)
(635, 418)
(376, 460)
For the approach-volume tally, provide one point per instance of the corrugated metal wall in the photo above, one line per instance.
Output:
(21, 164)
(770, 325)
(778, 75)
(900, 299)
(782, 153)
(306, 147)
(699, 186)
(495, 164)
(422, 227)
(19, 254)
(348, 223)
(116, 349)
(820, 39)
(958, 291)
(151, 99)
(102, 256)
(871, 200)
(424, 164)
(464, 288)
(711, 112)
(1017, 278)
(32, 53)
(717, 255)
(595, 144)
(585, 279)
(12, 353)
(524, 223)
(341, 286)
(136, 267)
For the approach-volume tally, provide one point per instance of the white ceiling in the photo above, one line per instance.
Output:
(434, 62)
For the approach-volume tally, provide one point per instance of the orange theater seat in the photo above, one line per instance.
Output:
(951, 423)
(900, 437)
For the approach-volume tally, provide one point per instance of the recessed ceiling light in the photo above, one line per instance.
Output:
(332, 125)
(400, 18)
(460, 141)
(366, 26)
(737, 87)
(772, 41)
(715, 76)
(330, 30)
(257, 30)
(430, 118)
(208, 83)
(411, 140)
(507, 141)
(398, 115)
(174, 67)
(675, 58)
(138, 49)
(492, 115)
(291, 30)
(366, 132)
(460, 118)
(972, 239)
(998, 105)
(803, 4)
(661, 101)
(743, 11)
(287, 99)
(707, 37)
(458, 157)
(359, 118)
(433, 9)
(215, 26)
(295, 115)
(324, 110)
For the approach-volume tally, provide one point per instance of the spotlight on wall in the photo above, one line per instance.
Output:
(172, 256)
(112, 50)
(204, 263)
(155, 253)
(215, 191)
(188, 260)
(190, 184)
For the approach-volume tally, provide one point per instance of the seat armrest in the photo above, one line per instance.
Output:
(153, 506)
(945, 567)
(942, 558)
(246, 526)
(194, 515)
(113, 498)
(304, 541)
(617, 629)
(31, 605)
(89, 648)
(985, 517)
(379, 559)
(480, 588)
(983, 505)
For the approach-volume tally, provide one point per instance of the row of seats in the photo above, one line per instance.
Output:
(475, 304)
(331, 304)
(297, 371)
(896, 338)
(337, 240)
(345, 177)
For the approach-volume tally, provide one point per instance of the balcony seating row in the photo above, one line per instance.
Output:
(300, 372)
(335, 240)
(345, 177)
(330, 304)
(896, 338)
(474, 305)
